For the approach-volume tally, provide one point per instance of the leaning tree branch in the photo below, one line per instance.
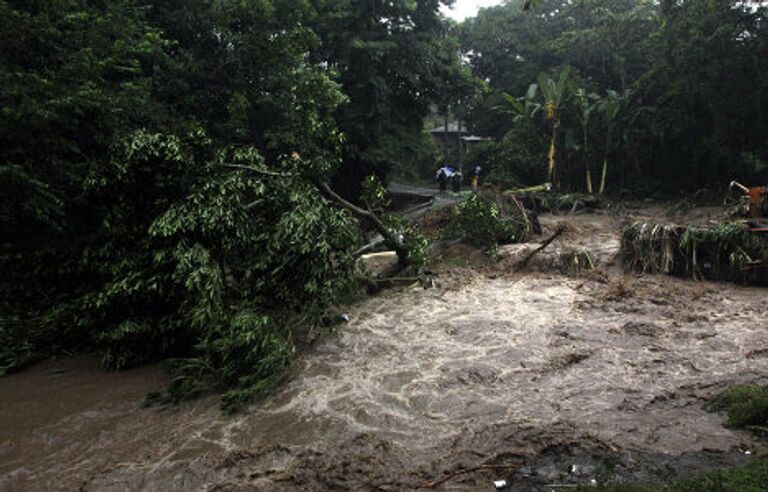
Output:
(256, 170)
(389, 237)
(381, 228)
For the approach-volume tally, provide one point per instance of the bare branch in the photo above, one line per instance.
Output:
(256, 170)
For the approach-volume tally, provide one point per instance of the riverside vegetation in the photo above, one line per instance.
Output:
(189, 182)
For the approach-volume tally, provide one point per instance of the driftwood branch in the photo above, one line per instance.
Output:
(523, 214)
(558, 232)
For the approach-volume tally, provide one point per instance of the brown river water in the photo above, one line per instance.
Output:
(538, 378)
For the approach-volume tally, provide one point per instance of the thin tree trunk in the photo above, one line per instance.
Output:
(605, 161)
(586, 161)
(605, 172)
(458, 142)
(446, 143)
(551, 165)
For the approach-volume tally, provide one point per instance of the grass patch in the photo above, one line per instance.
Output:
(745, 406)
(750, 478)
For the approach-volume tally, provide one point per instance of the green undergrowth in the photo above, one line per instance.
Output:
(484, 224)
(750, 478)
(208, 266)
(745, 406)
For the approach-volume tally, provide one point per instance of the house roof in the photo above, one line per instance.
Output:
(452, 128)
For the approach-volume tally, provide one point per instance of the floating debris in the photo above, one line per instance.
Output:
(727, 251)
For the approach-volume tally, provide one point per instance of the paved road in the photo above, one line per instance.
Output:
(440, 201)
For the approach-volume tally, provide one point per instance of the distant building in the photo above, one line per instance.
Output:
(454, 140)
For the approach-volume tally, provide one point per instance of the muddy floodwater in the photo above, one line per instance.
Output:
(534, 377)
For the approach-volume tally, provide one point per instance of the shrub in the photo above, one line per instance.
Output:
(480, 222)
(517, 160)
(746, 406)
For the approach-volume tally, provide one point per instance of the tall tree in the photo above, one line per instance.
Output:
(175, 160)
(394, 59)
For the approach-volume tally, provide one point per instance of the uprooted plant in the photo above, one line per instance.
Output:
(727, 251)
(482, 223)
(198, 262)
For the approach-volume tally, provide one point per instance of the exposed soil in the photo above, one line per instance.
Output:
(552, 375)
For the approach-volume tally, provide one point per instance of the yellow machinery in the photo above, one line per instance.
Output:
(757, 205)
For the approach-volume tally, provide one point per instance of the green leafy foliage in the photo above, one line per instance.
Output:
(16, 347)
(515, 160)
(395, 60)
(373, 194)
(480, 222)
(158, 186)
(244, 354)
(199, 261)
(749, 478)
(682, 89)
(746, 406)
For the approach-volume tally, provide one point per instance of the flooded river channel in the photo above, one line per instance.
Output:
(536, 378)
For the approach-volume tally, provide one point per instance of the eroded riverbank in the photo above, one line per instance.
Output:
(520, 375)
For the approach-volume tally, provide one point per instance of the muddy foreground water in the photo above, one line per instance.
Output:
(538, 378)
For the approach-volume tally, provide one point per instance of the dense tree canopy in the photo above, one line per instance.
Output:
(164, 166)
(172, 172)
(691, 75)
(394, 59)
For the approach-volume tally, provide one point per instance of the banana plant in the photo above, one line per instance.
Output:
(554, 94)
(588, 104)
(523, 107)
(610, 106)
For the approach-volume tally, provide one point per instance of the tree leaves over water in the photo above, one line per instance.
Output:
(129, 223)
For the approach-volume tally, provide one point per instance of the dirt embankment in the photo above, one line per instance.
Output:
(536, 377)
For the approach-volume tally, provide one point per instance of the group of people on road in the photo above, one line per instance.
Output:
(448, 174)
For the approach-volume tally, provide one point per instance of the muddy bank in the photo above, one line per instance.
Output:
(507, 374)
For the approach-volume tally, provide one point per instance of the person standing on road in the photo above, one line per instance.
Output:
(443, 175)
(456, 181)
(475, 178)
